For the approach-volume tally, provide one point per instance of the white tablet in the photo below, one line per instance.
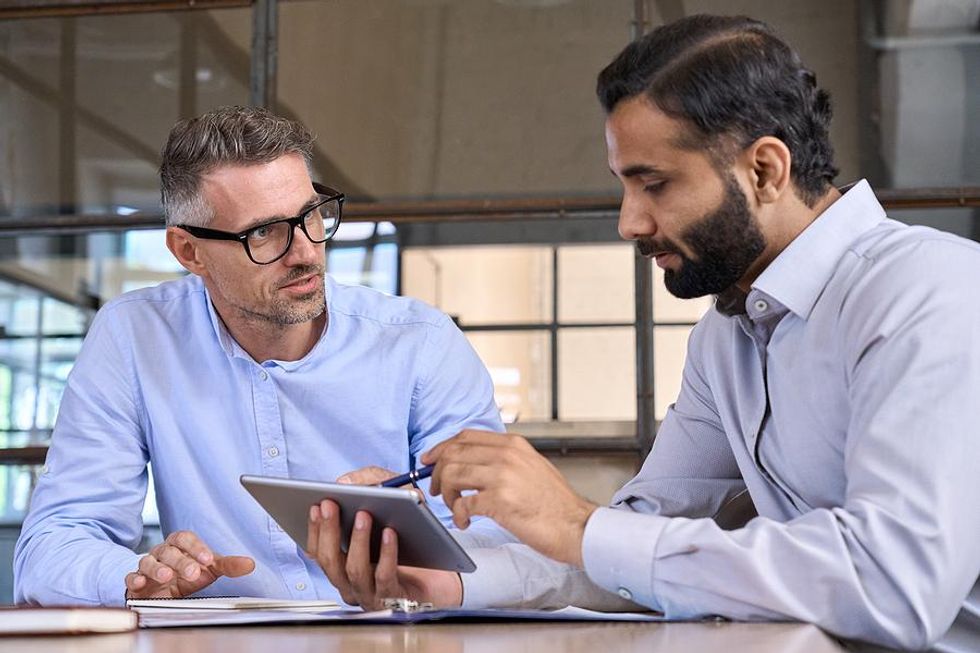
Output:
(422, 539)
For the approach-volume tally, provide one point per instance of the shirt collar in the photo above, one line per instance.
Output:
(798, 275)
(225, 339)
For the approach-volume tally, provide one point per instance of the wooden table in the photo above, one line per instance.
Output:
(510, 637)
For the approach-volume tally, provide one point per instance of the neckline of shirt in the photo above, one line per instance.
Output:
(234, 350)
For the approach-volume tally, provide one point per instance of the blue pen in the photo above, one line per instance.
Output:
(410, 477)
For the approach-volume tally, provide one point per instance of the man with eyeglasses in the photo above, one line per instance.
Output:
(256, 363)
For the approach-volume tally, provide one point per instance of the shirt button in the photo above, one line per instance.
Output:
(273, 452)
(301, 586)
(263, 375)
(625, 593)
(761, 305)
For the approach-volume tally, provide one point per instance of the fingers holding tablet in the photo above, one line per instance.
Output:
(323, 544)
(361, 582)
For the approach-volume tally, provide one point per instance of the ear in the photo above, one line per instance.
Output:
(184, 248)
(768, 162)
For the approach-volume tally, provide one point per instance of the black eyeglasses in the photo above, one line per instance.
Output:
(269, 242)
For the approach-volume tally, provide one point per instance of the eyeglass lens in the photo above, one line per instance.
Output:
(269, 242)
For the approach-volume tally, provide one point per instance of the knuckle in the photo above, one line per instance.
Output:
(352, 573)
(180, 538)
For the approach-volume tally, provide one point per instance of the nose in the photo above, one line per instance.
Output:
(635, 220)
(303, 251)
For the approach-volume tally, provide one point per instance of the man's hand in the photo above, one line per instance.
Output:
(515, 486)
(180, 566)
(362, 583)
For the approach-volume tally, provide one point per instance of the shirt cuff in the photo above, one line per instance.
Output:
(618, 551)
(116, 564)
(496, 582)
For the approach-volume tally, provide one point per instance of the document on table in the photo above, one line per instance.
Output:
(230, 603)
(165, 618)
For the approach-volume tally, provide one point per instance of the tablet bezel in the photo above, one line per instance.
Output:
(422, 539)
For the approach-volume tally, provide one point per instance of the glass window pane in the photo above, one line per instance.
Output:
(15, 492)
(372, 266)
(597, 374)
(482, 285)
(88, 102)
(145, 250)
(520, 365)
(440, 99)
(57, 358)
(595, 284)
(60, 318)
(669, 353)
(596, 479)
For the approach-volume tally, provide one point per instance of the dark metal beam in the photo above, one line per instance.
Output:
(33, 455)
(59, 8)
(587, 446)
(572, 211)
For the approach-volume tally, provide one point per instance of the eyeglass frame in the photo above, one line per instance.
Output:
(296, 221)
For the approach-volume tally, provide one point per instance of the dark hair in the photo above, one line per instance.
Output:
(232, 135)
(732, 80)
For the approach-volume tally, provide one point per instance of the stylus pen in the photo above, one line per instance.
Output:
(411, 477)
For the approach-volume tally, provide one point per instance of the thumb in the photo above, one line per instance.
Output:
(366, 476)
(233, 566)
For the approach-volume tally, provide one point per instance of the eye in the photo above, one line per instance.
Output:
(654, 188)
(260, 233)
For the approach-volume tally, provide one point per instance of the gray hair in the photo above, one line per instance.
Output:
(225, 136)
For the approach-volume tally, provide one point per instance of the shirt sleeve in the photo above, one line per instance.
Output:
(78, 539)
(514, 575)
(691, 471)
(453, 392)
(893, 564)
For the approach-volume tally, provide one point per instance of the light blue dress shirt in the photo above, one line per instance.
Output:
(159, 380)
(847, 400)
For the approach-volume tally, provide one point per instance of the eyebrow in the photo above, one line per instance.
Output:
(637, 170)
(276, 218)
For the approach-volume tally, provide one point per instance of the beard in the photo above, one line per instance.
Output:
(725, 243)
(280, 311)
(300, 309)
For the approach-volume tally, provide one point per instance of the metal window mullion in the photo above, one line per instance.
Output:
(67, 147)
(546, 326)
(37, 362)
(643, 290)
(554, 332)
(265, 52)
(187, 90)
